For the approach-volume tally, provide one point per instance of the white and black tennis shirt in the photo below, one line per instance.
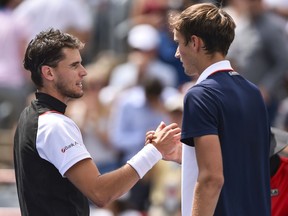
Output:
(47, 143)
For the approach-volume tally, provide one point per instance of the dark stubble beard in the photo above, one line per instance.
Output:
(62, 88)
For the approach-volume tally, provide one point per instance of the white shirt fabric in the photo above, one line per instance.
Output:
(189, 177)
(59, 141)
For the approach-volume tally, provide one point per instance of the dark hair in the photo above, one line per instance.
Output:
(46, 49)
(4, 3)
(153, 86)
(212, 24)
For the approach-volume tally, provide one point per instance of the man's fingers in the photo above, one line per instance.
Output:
(161, 126)
(149, 133)
(149, 137)
(172, 128)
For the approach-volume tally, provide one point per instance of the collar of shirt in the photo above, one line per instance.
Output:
(221, 65)
(51, 102)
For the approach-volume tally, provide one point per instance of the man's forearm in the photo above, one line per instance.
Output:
(206, 198)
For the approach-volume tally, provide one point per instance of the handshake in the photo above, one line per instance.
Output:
(167, 141)
(164, 143)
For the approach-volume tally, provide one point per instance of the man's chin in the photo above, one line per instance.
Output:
(76, 96)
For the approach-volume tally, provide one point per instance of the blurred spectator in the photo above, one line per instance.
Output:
(73, 17)
(260, 49)
(151, 12)
(142, 61)
(282, 123)
(279, 172)
(107, 14)
(278, 6)
(281, 120)
(137, 110)
(14, 84)
(156, 14)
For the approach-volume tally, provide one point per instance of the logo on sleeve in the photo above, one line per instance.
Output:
(274, 192)
(63, 150)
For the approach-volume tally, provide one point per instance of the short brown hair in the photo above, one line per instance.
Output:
(46, 49)
(212, 24)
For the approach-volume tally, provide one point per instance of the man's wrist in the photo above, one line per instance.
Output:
(145, 159)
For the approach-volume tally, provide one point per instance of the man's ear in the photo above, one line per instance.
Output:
(196, 42)
(47, 72)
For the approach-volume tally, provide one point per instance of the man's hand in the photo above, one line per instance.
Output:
(150, 134)
(176, 154)
(167, 140)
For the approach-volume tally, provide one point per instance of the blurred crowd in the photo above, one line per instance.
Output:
(134, 81)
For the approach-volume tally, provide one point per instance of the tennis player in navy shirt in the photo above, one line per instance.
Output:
(225, 131)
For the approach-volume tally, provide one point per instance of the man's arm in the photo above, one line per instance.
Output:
(210, 179)
(102, 189)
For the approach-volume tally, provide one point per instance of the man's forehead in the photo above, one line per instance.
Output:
(71, 55)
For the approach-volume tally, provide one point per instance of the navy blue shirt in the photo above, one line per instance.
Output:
(231, 107)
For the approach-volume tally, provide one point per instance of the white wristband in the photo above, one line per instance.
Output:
(145, 159)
